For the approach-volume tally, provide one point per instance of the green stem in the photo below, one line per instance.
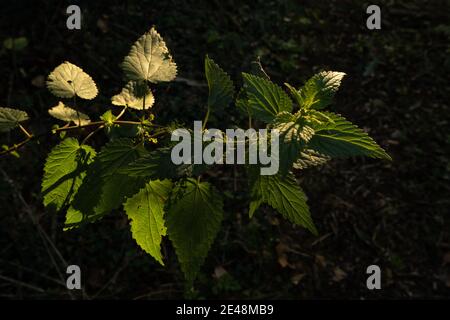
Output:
(101, 125)
(249, 118)
(143, 103)
(75, 107)
(16, 146)
(205, 121)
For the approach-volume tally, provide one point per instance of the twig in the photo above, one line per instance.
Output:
(121, 113)
(44, 237)
(29, 135)
(68, 128)
(16, 146)
(92, 133)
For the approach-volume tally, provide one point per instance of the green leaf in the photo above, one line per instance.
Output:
(132, 96)
(221, 89)
(341, 138)
(64, 113)
(16, 44)
(281, 193)
(10, 118)
(310, 158)
(294, 93)
(265, 99)
(108, 117)
(293, 138)
(193, 220)
(64, 171)
(68, 80)
(146, 212)
(241, 102)
(155, 165)
(319, 90)
(104, 188)
(149, 60)
(294, 135)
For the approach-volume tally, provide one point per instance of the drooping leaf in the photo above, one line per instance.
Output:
(146, 212)
(68, 80)
(341, 138)
(10, 118)
(283, 194)
(221, 89)
(65, 113)
(310, 158)
(193, 220)
(104, 188)
(318, 91)
(64, 171)
(149, 60)
(265, 99)
(132, 96)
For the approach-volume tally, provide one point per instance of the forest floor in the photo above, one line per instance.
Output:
(392, 214)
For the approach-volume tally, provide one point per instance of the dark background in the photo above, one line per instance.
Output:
(393, 214)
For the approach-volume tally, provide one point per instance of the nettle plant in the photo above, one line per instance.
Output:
(134, 169)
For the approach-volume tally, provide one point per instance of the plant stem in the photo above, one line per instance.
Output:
(121, 113)
(143, 103)
(29, 135)
(126, 122)
(92, 133)
(16, 146)
(75, 107)
(101, 125)
(205, 121)
(90, 124)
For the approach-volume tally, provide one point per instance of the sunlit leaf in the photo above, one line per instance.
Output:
(146, 212)
(221, 89)
(64, 171)
(265, 98)
(65, 113)
(149, 60)
(341, 138)
(68, 80)
(319, 90)
(132, 96)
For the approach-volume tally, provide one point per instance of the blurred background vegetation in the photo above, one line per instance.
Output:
(367, 211)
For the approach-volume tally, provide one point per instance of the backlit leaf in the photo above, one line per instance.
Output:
(64, 171)
(132, 96)
(10, 118)
(68, 80)
(65, 113)
(146, 212)
(193, 220)
(149, 60)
